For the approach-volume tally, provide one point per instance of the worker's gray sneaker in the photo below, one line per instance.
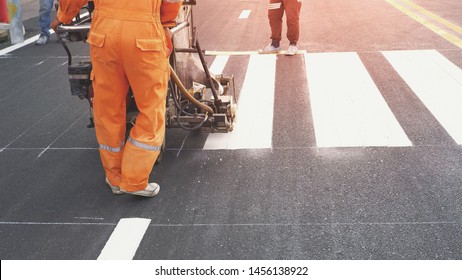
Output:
(151, 190)
(270, 49)
(292, 50)
(42, 40)
(114, 189)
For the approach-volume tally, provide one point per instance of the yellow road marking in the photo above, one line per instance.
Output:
(416, 16)
(449, 24)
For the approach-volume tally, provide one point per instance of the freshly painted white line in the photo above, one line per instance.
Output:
(125, 239)
(348, 109)
(436, 81)
(246, 52)
(254, 124)
(245, 14)
(219, 64)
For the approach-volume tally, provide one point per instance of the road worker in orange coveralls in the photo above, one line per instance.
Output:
(129, 45)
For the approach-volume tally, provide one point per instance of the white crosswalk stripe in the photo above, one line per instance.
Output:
(348, 109)
(254, 124)
(436, 81)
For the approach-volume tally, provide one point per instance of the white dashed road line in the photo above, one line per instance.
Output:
(125, 239)
(244, 14)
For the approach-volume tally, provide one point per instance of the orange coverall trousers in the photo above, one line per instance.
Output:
(128, 47)
(292, 9)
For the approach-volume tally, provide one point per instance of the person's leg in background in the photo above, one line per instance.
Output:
(292, 9)
(275, 14)
(45, 7)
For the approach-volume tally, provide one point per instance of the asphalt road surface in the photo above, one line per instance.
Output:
(349, 150)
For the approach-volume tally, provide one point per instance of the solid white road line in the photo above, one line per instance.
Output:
(436, 81)
(244, 14)
(254, 118)
(125, 239)
(20, 45)
(209, 53)
(28, 41)
(348, 109)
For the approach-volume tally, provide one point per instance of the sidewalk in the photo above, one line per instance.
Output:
(30, 11)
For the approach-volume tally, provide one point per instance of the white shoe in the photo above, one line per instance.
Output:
(151, 190)
(270, 49)
(42, 40)
(114, 189)
(292, 50)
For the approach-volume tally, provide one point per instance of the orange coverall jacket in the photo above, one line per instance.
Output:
(128, 47)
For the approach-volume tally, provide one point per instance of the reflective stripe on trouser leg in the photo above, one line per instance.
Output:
(147, 72)
(137, 163)
(110, 85)
(112, 149)
(275, 13)
(144, 146)
(111, 158)
(292, 9)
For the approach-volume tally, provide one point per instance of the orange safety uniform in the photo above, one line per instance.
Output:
(276, 10)
(128, 48)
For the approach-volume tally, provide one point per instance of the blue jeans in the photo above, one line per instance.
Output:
(44, 16)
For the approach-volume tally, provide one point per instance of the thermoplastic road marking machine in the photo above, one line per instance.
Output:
(208, 106)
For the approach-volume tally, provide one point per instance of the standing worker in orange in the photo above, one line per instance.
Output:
(129, 45)
(276, 11)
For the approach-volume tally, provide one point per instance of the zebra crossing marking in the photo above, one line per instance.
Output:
(436, 81)
(348, 109)
(253, 128)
